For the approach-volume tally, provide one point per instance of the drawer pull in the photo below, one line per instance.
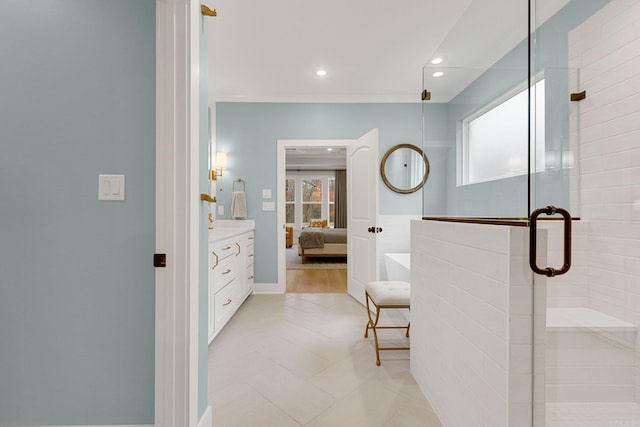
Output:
(227, 271)
(227, 303)
(216, 264)
(238, 249)
(251, 277)
(226, 248)
(251, 238)
(250, 255)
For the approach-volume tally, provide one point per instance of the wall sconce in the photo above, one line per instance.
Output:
(221, 163)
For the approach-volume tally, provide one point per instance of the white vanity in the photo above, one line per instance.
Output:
(230, 271)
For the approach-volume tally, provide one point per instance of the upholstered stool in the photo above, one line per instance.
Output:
(386, 294)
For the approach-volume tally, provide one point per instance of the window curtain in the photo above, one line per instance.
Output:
(340, 220)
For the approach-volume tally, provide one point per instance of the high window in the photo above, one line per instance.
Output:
(495, 141)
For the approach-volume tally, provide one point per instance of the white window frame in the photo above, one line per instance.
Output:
(295, 195)
(463, 175)
(299, 177)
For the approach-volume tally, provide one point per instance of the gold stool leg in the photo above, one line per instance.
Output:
(373, 325)
(370, 322)
(375, 336)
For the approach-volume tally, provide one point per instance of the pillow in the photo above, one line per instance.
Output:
(320, 223)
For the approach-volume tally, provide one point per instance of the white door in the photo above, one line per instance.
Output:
(362, 213)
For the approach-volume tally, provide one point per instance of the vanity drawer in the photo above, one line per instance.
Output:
(223, 250)
(224, 272)
(226, 301)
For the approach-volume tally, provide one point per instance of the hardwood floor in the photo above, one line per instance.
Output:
(316, 281)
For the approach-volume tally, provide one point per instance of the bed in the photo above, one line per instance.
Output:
(322, 242)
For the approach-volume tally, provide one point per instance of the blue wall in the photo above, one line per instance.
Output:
(77, 86)
(248, 133)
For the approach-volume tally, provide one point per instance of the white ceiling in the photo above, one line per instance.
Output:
(373, 50)
(316, 158)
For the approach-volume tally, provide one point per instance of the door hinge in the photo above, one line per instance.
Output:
(578, 96)
(159, 260)
(426, 95)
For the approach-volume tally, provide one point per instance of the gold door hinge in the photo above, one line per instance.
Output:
(207, 12)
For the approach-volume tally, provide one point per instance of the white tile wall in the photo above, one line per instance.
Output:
(610, 155)
(605, 275)
(472, 299)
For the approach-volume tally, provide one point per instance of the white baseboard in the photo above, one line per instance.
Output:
(207, 418)
(268, 288)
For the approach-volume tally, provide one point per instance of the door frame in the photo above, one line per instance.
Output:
(177, 213)
(281, 176)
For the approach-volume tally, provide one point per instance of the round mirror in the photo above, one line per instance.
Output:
(404, 168)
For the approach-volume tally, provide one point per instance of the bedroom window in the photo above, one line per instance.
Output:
(309, 195)
(290, 202)
(495, 140)
(311, 200)
(332, 202)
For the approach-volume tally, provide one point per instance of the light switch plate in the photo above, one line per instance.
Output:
(268, 206)
(110, 187)
(221, 210)
(266, 194)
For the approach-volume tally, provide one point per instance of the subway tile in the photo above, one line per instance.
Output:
(520, 329)
(521, 300)
(520, 358)
(496, 377)
(520, 388)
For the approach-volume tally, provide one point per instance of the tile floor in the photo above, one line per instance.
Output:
(302, 360)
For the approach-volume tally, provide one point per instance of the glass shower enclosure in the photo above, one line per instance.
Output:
(531, 110)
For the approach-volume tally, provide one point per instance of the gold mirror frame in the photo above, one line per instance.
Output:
(384, 175)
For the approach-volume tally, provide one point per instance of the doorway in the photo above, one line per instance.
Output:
(310, 168)
(315, 207)
(365, 153)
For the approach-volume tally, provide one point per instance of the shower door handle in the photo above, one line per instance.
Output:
(566, 217)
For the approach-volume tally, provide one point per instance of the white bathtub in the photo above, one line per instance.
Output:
(398, 266)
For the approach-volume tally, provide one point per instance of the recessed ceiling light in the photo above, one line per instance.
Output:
(329, 149)
(321, 73)
(436, 61)
(438, 74)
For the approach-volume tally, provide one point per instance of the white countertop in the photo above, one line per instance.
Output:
(224, 229)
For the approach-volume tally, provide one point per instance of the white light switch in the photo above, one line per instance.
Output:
(268, 206)
(266, 194)
(110, 187)
(221, 210)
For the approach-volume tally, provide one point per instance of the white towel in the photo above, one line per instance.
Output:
(239, 205)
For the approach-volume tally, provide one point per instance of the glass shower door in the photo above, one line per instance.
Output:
(586, 355)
